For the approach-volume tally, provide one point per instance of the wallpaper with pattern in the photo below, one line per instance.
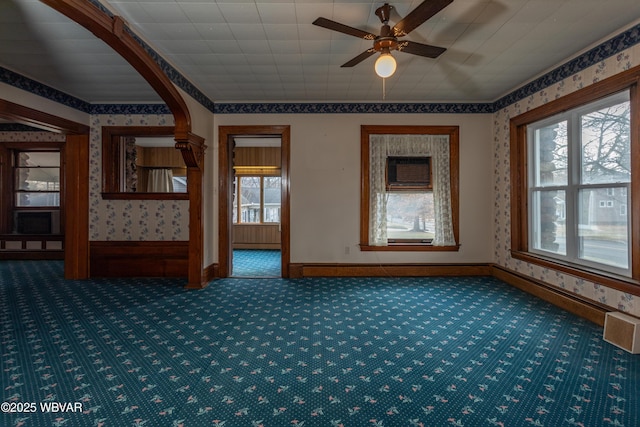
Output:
(36, 136)
(502, 233)
(130, 219)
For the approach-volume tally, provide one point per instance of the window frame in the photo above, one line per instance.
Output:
(520, 227)
(16, 167)
(365, 132)
(238, 190)
(573, 185)
(8, 152)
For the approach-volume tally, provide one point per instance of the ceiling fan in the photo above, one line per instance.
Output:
(388, 39)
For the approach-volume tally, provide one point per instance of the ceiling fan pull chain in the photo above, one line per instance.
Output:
(384, 89)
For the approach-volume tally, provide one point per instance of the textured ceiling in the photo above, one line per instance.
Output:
(268, 50)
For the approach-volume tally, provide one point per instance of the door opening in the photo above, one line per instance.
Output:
(254, 201)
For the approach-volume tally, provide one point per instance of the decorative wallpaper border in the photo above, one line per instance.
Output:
(611, 47)
(349, 108)
(599, 53)
(29, 85)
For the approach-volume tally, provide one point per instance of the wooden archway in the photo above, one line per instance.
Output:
(113, 31)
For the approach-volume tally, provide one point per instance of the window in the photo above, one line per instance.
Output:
(259, 200)
(581, 157)
(572, 181)
(37, 178)
(409, 193)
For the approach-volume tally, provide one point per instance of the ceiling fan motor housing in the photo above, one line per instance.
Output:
(385, 43)
(388, 38)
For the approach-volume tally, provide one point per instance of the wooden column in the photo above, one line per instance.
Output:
(76, 196)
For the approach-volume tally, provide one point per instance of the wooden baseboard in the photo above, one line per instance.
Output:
(210, 272)
(387, 270)
(566, 300)
(139, 259)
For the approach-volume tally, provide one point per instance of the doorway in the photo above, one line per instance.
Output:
(76, 182)
(258, 210)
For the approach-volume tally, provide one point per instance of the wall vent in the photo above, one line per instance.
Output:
(622, 330)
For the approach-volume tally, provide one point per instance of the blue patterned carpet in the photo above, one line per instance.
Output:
(256, 263)
(350, 352)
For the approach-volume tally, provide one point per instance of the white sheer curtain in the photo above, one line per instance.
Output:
(434, 146)
(160, 181)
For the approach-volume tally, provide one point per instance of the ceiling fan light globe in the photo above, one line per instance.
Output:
(385, 65)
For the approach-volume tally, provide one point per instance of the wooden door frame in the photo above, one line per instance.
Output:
(225, 189)
(76, 181)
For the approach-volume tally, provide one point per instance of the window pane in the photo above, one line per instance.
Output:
(179, 184)
(40, 158)
(38, 179)
(272, 197)
(37, 199)
(250, 199)
(603, 233)
(548, 228)
(410, 216)
(550, 154)
(606, 147)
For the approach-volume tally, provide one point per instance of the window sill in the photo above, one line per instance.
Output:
(620, 283)
(409, 247)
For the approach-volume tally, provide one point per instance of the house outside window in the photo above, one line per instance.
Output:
(259, 200)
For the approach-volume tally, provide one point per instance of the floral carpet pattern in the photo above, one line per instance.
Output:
(468, 351)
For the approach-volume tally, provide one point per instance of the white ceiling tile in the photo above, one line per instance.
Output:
(240, 13)
(247, 31)
(269, 49)
(214, 32)
(203, 13)
(284, 47)
(255, 47)
(281, 31)
(277, 13)
(165, 13)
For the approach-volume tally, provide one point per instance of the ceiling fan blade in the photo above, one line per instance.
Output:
(420, 49)
(417, 16)
(345, 29)
(358, 59)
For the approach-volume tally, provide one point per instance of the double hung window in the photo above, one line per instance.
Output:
(575, 184)
(579, 182)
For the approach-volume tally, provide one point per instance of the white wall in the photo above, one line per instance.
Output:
(27, 99)
(325, 184)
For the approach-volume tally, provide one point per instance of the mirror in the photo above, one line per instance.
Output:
(141, 162)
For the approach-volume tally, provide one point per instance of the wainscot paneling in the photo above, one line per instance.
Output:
(139, 259)
(256, 236)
